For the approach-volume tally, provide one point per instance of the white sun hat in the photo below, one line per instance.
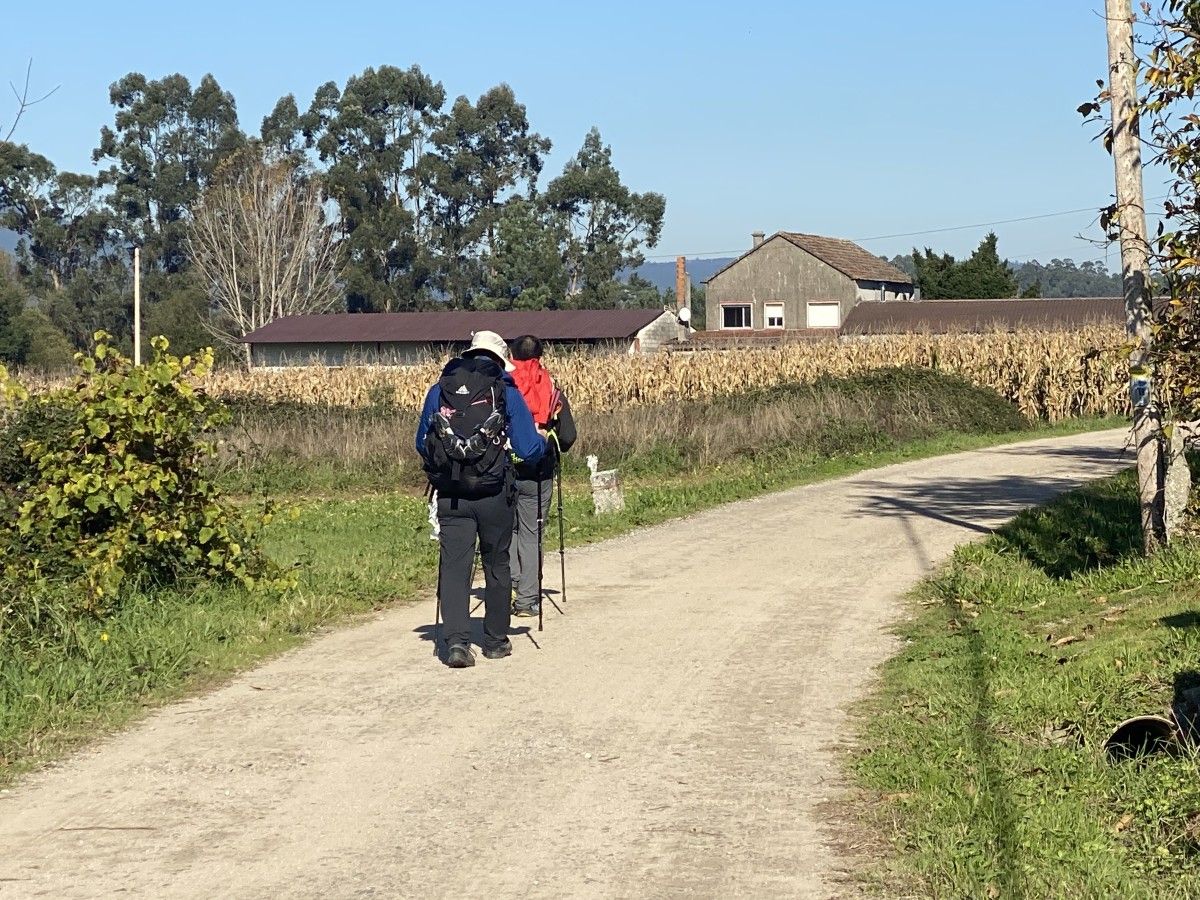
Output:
(491, 343)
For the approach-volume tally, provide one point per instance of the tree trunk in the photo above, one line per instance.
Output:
(1135, 269)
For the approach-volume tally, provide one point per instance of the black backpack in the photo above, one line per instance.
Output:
(465, 454)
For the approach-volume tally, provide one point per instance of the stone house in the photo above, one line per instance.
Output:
(791, 282)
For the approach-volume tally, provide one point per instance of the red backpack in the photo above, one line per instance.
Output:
(537, 387)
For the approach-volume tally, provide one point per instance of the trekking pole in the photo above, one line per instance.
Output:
(437, 609)
(471, 587)
(437, 600)
(541, 593)
(562, 553)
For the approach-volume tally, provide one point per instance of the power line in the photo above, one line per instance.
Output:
(1065, 212)
(697, 253)
(883, 237)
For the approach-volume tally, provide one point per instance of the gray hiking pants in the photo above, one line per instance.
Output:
(524, 550)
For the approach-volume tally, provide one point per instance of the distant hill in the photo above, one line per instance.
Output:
(662, 274)
(8, 240)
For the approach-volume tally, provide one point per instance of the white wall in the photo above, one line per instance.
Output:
(869, 290)
(665, 328)
(345, 354)
(649, 340)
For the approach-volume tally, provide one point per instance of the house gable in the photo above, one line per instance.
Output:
(845, 256)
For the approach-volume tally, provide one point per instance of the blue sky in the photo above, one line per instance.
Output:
(851, 120)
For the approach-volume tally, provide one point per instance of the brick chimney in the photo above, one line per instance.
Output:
(756, 237)
(680, 282)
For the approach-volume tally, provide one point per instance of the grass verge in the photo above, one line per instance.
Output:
(982, 748)
(357, 553)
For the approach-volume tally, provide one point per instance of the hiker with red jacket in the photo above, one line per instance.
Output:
(535, 478)
(473, 424)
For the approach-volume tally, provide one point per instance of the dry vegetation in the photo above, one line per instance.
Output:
(1049, 375)
(294, 448)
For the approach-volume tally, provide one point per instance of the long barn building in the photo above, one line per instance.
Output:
(342, 339)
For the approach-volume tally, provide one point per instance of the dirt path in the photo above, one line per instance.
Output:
(674, 735)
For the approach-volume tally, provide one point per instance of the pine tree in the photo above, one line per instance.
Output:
(981, 276)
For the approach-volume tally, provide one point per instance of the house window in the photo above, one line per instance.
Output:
(824, 315)
(773, 313)
(736, 316)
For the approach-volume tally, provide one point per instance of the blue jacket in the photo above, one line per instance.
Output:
(526, 443)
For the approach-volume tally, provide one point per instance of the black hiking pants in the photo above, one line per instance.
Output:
(462, 522)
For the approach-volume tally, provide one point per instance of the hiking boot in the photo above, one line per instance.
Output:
(460, 656)
(525, 612)
(499, 651)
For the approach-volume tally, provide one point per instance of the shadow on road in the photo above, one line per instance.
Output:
(432, 633)
(1083, 454)
(1088, 528)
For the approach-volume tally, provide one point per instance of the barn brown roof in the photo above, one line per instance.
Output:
(845, 256)
(455, 326)
(940, 316)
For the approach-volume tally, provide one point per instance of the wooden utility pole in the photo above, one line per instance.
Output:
(137, 306)
(1135, 267)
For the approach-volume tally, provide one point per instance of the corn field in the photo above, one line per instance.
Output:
(1048, 375)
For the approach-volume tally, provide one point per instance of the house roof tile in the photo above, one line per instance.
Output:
(845, 256)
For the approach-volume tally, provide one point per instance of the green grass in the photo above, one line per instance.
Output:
(351, 556)
(355, 551)
(982, 749)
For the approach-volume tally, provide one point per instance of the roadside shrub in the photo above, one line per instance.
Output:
(951, 401)
(111, 485)
(36, 421)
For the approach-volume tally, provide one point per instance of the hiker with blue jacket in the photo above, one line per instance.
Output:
(473, 423)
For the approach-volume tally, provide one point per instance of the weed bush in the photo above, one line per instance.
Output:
(110, 486)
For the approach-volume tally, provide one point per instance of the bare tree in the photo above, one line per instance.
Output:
(23, 101)
(260, 244)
